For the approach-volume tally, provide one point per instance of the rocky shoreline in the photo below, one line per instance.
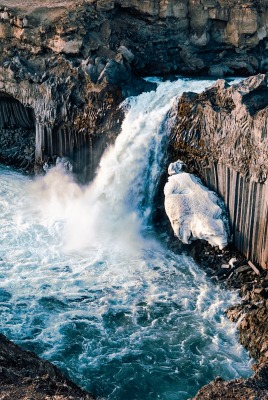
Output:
(221, 135)
(24, 376)
(234, 271)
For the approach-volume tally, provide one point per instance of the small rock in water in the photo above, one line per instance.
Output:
(232, 262)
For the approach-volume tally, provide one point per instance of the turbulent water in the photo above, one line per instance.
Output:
(85, 284)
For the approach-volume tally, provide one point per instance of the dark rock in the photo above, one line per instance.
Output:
(238, 389)
(220, 71)
(23, 375)
(115, 73)
(222, 134)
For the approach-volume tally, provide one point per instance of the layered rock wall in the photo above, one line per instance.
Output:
(223, 134)
(74, 63)
(42, 68)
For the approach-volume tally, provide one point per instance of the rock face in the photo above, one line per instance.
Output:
(17, 133)
(223, 133)
(232, 270)
(239, 389)
(54, 86)
(72, 64)
(24, 376)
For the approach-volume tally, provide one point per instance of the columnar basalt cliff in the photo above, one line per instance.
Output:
(223, 133)
(72, 64)
(25, 376)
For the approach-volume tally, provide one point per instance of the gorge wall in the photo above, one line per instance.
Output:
(65, 68)
(222, 133)
(71, 65)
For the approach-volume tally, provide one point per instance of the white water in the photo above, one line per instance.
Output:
(83, 284)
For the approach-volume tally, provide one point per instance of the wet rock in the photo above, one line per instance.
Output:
(222, 133)
(115, 73)
(105, 5)
(238, 389)
(127, 54)
(23, 376)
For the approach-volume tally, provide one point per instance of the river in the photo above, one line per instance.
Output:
(86, 284)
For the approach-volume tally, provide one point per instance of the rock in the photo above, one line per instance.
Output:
(220, 71)
(23, 375)
(95, 69)
(105, 5)
(241, 67)
(227, 127)
(192, 62)
(127, 54)
(254, 268)
(59, 45)
(94, 41)
(259, 291)
(243, 268)
(70, 63)
(115, 73)
(238, 389)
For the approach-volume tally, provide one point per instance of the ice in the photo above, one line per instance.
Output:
(195, 212)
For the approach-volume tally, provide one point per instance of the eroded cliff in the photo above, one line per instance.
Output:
(72, 64)
(223, 133)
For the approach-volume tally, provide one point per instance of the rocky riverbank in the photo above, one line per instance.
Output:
(24, 376)
(221, 135)
(234, 271)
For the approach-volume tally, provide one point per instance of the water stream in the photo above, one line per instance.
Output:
(85, 284)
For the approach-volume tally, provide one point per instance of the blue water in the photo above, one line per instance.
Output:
(84, 285)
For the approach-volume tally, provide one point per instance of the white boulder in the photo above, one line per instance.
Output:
(195, 212)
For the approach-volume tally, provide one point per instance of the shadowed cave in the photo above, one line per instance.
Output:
(17, 133)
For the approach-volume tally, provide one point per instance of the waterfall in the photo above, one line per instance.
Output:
(119, 201)
(84, 286)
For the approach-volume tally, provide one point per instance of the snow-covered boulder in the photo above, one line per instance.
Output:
(195, 212)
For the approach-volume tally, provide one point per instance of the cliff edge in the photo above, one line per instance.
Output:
(222, 133)
(65, 68)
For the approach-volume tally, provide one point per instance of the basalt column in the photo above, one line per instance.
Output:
(222, 134)
(17, 133)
